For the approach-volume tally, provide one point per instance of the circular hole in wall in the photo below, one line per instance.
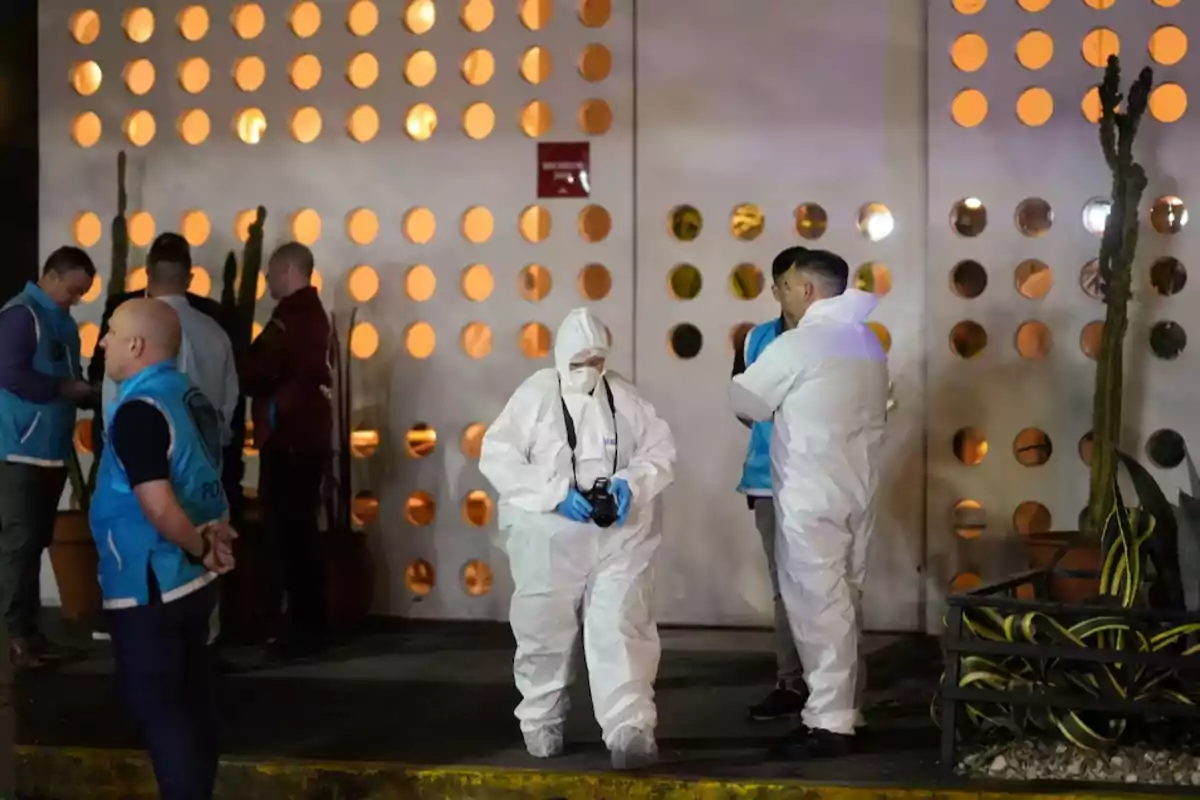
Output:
(305, 124)
(478, 225)
(684, 282)
(305, 72)
(1089, 280)
(420, 122)
(811, 221)
(969, 108)
(738, 334)
(420, 508)
(534, 283)
(594, 223)
(1032, 447)
(1167, 340)
(305, 19)
(746, 222)
(883, 334)
(420, 68)
(306, 226)
(85, 129)
(201, 282)
(965, 582)
(363, 124)
(85, 26)
(595, 13)
(364, 340)
(249, 73)
(595, 117)
(1087, 444)
(1090, 339)
(969, 52)
(420, 340)
(1034, 340)
(535, 64)
(139, 76)
(477, 283)
(419, 225)
(1168, 45)
(471, 443)
(595, 63)
(968, 279)
(249, 20)
(1098, 45)
(536, 119)
(1168, 215)
(89, 337)
(365, 508)
(83, 435)
(86, 77)
(362, 17)
(534, 224)
(1166, 448)
(87, 229)
(194, 126)
(362, 70)
(1031, 518)
(873, 277)
(746, 282)
(685, 223)
(478, 120)
(1033, 279)
(139, 128)
(1035, 49)
(138, 24)
(535, 340)
(362, 226)
(1034, 6)
(970, 446)
(536, 14)
(1035, 106)
(195, 227)
(420, 283)
(1034, 216)
(419, 16)
(875, 221)
(968, 339)
(968, 217)
(477, 508)
(595, 282)
(193, 23)
(476, 340)
(969, 519)
(250, 125)
(477, 15)
(476, 578)
(478, 67)
(362, 283)
(420, 577)
(1168, 102)
(141, 228)
(1095, 215)
(968, 6)
(194, 75)
(1168, 276)
(685, 340)
(135, 280)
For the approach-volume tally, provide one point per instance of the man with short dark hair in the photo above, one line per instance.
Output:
(825, 385)
(787, 698)
(41, 386)
(289, 374)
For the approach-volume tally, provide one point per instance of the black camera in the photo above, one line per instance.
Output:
(604, 503)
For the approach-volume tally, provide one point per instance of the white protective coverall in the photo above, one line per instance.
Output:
(561, 567)
(825, 383)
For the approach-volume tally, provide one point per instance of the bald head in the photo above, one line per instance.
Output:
(142, 332)
(289, 270)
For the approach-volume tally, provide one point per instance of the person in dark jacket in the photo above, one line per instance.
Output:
(288, 374)
(41, 386)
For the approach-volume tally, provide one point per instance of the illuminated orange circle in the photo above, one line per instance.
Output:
(1168, 45)
(305, 19)
(306, 226)
(249, 20)
(1168, 102)
(85, 26)
(86, 129)
(1035, 49)
(195, 227)
(194, 75)
(249, 73)
(86, 77)
(969, 52)
(362, 283)
(362, 226)
(140, 128)
(87, 229)
(139, 76)
(362, 18)
(969, 108)
(1099, 44)
(420, 68)
(419, 340)
(364, 340)
(363, 71)
(194, 126)
(193, 23)
(1035, 106)
(363, 124)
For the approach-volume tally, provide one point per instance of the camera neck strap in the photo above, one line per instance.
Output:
(570, 423)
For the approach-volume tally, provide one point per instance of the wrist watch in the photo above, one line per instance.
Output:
(199, 560)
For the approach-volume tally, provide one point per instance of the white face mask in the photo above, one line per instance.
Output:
(581, 380)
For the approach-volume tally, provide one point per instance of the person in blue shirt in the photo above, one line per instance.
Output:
(41, 386)
(788, 696)
(159, 518)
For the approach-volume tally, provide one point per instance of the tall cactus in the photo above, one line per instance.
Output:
(1117, 249)
(117, 272)
(248, 287)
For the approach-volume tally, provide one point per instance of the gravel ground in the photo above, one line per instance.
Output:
(1031, 760)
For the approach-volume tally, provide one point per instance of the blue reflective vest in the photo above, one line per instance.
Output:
(33, 433)
(129, 545)
(756, 473)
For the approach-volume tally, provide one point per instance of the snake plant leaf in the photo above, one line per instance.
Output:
(1163, 546)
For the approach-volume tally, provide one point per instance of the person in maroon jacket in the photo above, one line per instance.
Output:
(288, 375)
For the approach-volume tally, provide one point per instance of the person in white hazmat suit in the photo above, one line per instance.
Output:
(564, 430)
(825, 385)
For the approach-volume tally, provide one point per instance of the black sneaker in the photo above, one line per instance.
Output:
(804, 744)
(781, 702)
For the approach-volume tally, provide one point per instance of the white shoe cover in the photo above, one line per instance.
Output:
(633, 748)
(545, 742)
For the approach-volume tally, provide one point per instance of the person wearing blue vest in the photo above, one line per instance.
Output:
(159, 518)
(41, 386)
(787, 698)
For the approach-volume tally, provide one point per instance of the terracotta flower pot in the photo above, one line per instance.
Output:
(76, 566)
(1085, 556)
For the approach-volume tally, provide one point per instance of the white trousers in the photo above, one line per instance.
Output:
(562, 571)
(822, 566)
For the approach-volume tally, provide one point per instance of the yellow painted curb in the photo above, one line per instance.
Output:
(103, 774)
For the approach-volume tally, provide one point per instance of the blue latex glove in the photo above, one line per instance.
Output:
(576, 507)
(624, 495)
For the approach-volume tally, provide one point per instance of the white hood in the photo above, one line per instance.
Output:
(852, 305)
(582, 335)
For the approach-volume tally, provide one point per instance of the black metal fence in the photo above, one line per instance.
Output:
(1001, 597)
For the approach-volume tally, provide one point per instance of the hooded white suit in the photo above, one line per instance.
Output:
(561, 567)
(825, 384)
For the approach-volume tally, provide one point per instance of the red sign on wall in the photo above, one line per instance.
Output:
(564, 169)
